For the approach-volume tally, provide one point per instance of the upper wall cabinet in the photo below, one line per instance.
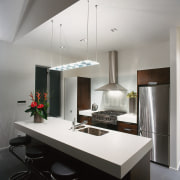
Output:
(160, 75)
(77, 96)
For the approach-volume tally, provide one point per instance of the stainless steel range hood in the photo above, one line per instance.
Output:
(113, 74)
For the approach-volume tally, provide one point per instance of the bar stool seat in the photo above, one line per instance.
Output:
(35, 152)
(19, 141)
(61, 171)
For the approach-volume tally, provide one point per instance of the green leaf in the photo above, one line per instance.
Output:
(28, 110)
(32, 113)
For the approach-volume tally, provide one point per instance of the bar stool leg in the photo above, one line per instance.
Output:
(17, 142)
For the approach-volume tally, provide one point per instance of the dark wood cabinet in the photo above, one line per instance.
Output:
(127, 127)
(85, 118)
(160, 75)
(83, 96)
(83, 93)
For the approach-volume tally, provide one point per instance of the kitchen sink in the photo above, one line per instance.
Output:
(79, 127)
(93, 131)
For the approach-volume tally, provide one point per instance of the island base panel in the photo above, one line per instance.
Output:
(142, 169)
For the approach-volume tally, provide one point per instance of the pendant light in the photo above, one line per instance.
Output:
(60, 42)
(52, 30)
(84, 63)
(96, 34)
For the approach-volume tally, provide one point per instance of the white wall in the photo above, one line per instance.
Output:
(175, 99)
(178, 98)
(129, 61)
(17, 79)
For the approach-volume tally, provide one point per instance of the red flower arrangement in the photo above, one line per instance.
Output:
(40, 106)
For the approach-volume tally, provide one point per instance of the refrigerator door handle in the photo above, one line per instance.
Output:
(140, 132)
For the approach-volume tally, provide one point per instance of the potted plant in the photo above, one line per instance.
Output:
(38, 107)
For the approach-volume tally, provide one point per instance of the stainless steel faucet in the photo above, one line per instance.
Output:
(74, 125)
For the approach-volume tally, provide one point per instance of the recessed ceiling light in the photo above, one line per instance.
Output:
(113, 29)
(83, 40)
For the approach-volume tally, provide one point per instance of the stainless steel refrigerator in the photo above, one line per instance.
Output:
(153, 119)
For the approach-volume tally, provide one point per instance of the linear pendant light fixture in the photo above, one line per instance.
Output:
(84, 63)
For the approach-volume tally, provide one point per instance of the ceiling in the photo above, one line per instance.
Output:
(19, 17)
(138, 22)
(11, 13)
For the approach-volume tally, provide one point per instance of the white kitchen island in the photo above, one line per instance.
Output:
(115, 153)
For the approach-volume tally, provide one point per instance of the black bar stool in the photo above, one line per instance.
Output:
(61, 171)
(34, 153)
(14, 143)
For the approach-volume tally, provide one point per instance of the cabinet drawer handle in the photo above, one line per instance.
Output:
(127, 129)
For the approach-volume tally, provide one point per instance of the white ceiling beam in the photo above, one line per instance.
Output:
(39, 11)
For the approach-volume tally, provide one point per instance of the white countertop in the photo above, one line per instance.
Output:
(87, 112)
(115, 153)
(129, 118)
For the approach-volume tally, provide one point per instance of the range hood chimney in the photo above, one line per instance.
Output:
(113, 74)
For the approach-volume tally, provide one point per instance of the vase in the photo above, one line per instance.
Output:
(132, 105)
(38, 118)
